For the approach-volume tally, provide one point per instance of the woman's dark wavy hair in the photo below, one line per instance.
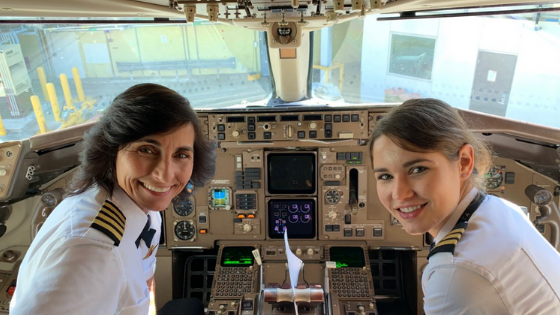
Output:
(142, 110)
(431, 125)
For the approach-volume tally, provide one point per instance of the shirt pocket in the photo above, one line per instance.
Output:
(141, 308)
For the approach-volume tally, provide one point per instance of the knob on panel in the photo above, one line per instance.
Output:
(247, 227)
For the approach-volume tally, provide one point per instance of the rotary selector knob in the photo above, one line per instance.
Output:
(247, 227)
(310, 251)
(298, 251)
(312, 125)
(9, 256)
(235, 133)
(362, 310)
(333, 215)
(2, 172)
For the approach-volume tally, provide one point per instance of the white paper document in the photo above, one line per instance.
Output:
(294, 266)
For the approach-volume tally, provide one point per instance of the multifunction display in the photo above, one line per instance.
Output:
(291, 173)
(347, 257)
(237, 256)
(295, 215)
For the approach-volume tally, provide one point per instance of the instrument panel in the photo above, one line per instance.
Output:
(307, 172)
(304, 173)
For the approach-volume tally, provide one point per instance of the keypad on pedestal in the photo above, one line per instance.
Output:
(234, 282)
(350, 283)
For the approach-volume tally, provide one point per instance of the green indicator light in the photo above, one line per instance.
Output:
(350, 162)
(231, 262)
(358, 162)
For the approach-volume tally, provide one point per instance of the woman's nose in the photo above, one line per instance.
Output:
(402, 189)
(163, 170)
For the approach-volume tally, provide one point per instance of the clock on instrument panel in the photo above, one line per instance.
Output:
(184, 230)
(493, 179)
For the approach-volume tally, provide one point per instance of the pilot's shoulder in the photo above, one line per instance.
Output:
(108, 224)
(95, 216)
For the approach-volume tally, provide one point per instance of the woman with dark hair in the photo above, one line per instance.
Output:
(95, 254)
(486, 257)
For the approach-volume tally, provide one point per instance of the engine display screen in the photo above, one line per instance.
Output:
(347, 257)
(295, 215)
(237, 256)
(291, 173)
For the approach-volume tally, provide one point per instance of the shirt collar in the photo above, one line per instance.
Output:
(452, 220)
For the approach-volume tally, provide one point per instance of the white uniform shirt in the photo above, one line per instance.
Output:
(72, 268)
(501, 265)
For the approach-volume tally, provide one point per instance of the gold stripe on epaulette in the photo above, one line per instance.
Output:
(112, 216)
(453, 242)
(115, 210)
(454, 235)
(110, 221)
(459, 230)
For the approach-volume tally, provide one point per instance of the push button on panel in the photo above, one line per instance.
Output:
(347, 219)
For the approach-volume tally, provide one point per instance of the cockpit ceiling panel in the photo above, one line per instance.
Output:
(174, 10)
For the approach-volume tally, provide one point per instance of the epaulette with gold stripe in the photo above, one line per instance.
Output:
(110, 221)
(448, 243)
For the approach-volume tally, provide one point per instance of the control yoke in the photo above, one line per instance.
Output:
(545, 201)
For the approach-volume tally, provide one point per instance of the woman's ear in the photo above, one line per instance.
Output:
(466, 160)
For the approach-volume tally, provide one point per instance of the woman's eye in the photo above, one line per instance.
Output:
(145, 150)
(183, 155)
(418, 169)
(384, 177)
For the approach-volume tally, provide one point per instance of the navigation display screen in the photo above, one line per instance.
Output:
(291, 173)
(347, 256)
(237, 256)
(296, 215)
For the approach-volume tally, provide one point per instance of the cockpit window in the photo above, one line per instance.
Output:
(55, 76)
(503, 65)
